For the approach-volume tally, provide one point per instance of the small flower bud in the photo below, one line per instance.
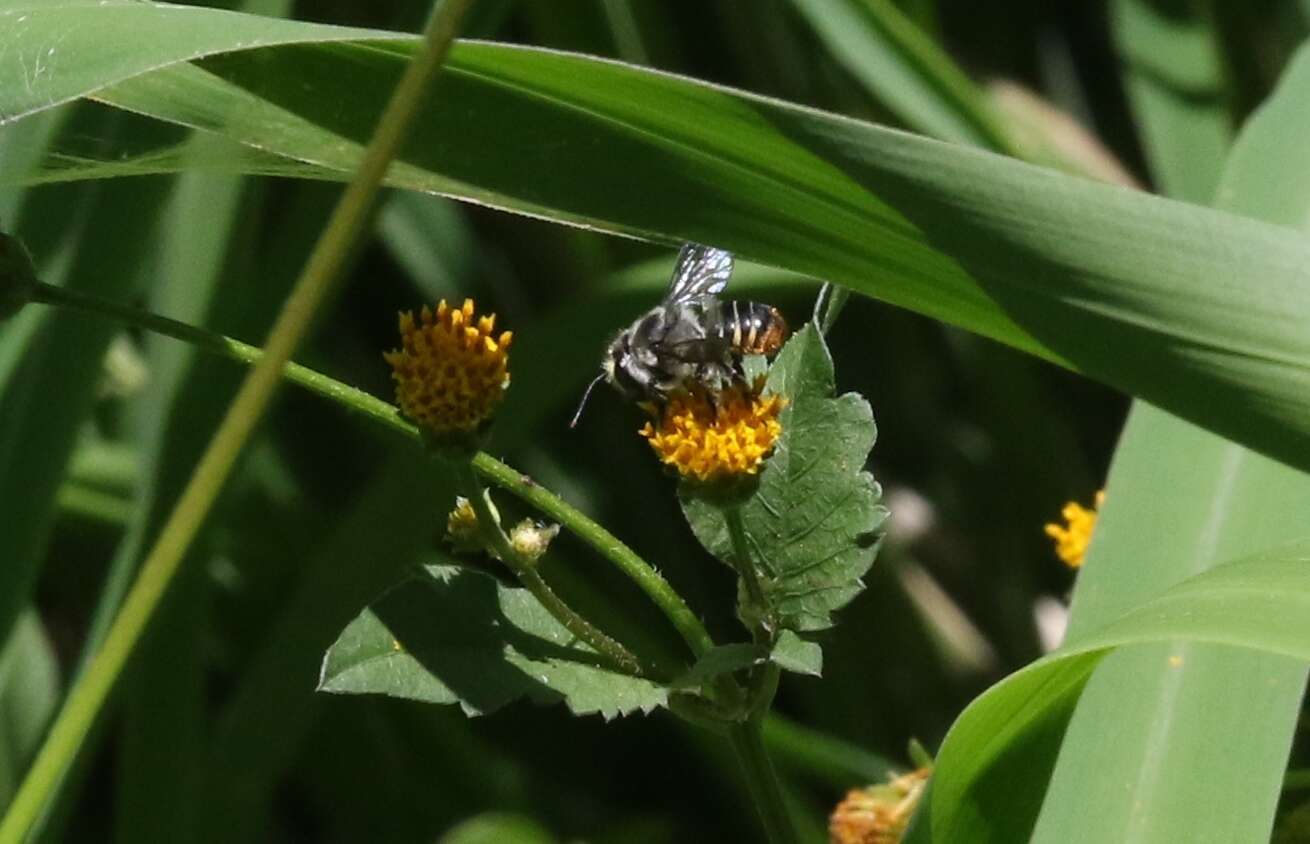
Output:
(462, 528)
(17, 276)
(878, 814)
(531, 539)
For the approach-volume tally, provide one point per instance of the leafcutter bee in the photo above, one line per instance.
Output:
(692, 338)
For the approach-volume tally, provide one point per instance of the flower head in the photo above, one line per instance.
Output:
(720, 437)
(877, 814)
(451, 371)
(1072, 538)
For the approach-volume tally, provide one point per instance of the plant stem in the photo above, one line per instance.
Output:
(604, 543)
(828, 306)
(748, 741)
(511, 480)
(1296, 780)
(321, 271)
(756, 613)
(614, 654)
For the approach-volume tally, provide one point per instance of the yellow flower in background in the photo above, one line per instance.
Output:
(877, 814)
(711, 438)
(1072, 537)
(451, 371)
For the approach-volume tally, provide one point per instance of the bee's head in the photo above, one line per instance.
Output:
(614, 366)
(609, 367)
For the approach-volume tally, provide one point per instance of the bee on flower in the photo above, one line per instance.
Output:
(682, 362)
(710, 438)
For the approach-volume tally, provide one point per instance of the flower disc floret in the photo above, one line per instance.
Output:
(451, 370)
(1073, 537)
(709, 438)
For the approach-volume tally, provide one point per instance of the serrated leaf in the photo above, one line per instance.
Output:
(792, 653)
(815, 521)
(450, 635)
(723, 659)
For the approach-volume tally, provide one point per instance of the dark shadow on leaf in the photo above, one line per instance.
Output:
(455, 626)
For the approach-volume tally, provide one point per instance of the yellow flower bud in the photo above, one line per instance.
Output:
(531, 539)
(877, 814)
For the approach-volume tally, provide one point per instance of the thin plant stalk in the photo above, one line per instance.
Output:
(321, 272)
(631, 564)
(616, 657)
(747, 736)
(750, 577)
(766, 791)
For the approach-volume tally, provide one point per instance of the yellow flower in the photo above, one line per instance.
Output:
(716, 438)
(877, 814)
(1072, 538)
(451, 373)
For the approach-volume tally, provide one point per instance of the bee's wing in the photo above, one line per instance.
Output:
(700, 271)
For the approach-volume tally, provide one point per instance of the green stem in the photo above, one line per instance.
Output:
(747, 740)
(615, 655)
(321, 271)
(601, 540)
(832, 298)
(756, 612)
(1297, 780)
(604, 543)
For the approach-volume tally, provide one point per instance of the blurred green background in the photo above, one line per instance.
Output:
(216, 734)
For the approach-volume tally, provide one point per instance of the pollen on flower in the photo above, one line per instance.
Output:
(878, 814)
(451, 371)
(1073, 537)
(711, 438)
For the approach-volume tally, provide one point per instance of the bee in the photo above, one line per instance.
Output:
(692, 337)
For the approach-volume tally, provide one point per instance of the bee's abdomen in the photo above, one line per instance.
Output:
(753, 328)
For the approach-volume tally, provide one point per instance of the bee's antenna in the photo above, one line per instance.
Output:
(585, 396)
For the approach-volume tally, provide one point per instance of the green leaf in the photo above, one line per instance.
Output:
(904, 69)
(1175, 83)
(1261, 603)
(721, 659)
(815, 521)
(497, 828)
(1200, 312)
(1134, 721)
(458, 636)
(17, 277)
(792, 653)
(29, 694)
